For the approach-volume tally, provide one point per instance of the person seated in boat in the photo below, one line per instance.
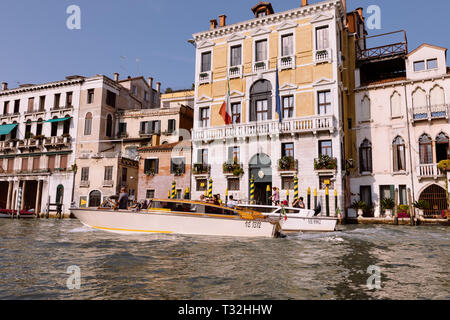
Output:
(298, 203)
(123, 200)
(144, 205)
(216, 199)
(231, 202)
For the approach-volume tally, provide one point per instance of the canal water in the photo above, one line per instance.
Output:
(35, 257)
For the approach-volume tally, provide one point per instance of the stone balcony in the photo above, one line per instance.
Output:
(322, 56)
(287, 62)
(430, 113)
(260, 66)
(274, 127)
(431, 170)
(205, 77)
(235, 72)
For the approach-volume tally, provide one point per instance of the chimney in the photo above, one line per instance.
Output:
(158, 87)
(360, 12)
(304, 3)
(4, 86)
(213, 24)
(150, 82)
(116, 77)
(222, 20)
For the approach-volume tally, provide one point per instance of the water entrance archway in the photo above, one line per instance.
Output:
(260, 167)
(437, 198)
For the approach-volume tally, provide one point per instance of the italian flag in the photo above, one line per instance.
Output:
(225, 111)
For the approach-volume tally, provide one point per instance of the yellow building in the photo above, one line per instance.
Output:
(239, 65)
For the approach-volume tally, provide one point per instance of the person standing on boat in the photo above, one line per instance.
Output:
(123, 200)
(276, 196)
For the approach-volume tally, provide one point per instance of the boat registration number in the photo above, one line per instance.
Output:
(253, 224)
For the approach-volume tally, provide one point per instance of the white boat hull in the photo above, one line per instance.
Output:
(127, 222)
(295, 223)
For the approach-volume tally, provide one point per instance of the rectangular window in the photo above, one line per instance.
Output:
(171, 126)
(324, 99)
(10, 165)
(288, 107)
(326, 148)
(262, 110)
(85, 174)
(146, 95)
(150, 194)
(16, 106)
(365, 193)
(69, 96)
(177, 165)
(399, 157)
(287, 183)
(236, 59)
(236, 113)
(233, 154)
(201, 184)
(122, 128)
(41, 103)
(322, 38)
(151, 165)
(206, 62)
(403, 195)
(110, 98)
(124, 174)
(56, 104)
(325, 181)
(134, 90)
(287, 149)
(287, 45)
(36, 163)
(204, 117)
(387, 192)
(63, 162)
(6, 107)
(51, 163)
(30, 104)
(202, 156)
(432, 64)
(24, 164)
(108, 173)
(419, 66)
(233, 184)
(261, 50)
(90, 96)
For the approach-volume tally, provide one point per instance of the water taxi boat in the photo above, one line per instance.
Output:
(295, 219)
(181, 217)
(4, 213)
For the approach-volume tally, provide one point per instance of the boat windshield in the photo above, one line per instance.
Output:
(191, 207)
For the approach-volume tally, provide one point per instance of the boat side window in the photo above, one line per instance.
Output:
(220, 211)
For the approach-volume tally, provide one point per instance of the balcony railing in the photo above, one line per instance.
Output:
(230, 167)
(201, 168)
(287, 164)
(429, 113)
(58, 141)
(287, 62)
(205, 77)
(108, 183)
(84, 184)
(260, 66)
(322, 56)
(235, 72)
(429, 171)
(299, 125)
(146, 133)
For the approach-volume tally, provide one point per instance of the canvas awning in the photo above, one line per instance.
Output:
(58, 120)
(7, 128)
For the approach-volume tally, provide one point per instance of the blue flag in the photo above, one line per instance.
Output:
(278, 100)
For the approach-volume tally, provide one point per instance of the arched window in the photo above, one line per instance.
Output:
(66, 126)
(88, 124)
(437, 97)
(425, 150)
(54, 131)
(399, 154)
(419, 99)
(39, 127)
(3, 136)
(28, 129)
(396, 108)
(365, 156)
(442, 147)
(14, 132)
(365, 109)
(95, 198)
(261, 101)
(109, 125)
(60, 194)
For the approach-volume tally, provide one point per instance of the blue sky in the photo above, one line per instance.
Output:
(149, 37)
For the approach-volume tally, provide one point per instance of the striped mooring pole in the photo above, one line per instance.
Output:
(174, 190)
(226, 195)
(268, 195)
(296, 187)
(309, 199)
(19, 202)
(187, 194)
(327, 200)
(210, 188)
(252, 190)
(287, 197)
(168, 194)
(315, 198)
(335, 201)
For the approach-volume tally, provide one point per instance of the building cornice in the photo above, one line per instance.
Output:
(401, 83)
(45, 86)
(272, 19)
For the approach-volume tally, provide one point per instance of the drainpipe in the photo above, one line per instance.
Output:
(410, 145)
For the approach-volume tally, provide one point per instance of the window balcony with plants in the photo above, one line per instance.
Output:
(287, 164)
(233, 168)
(325, 163)
(287, 62)
(201, 168)
(205, 77)
(235, 72)
(322, 56)
(259, 66)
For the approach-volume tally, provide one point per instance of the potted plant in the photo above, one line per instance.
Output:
(237, 171)
(285, 163)
(421, 205)
(150, 172)
(388, 206)
(444, 165)
(325, 162)
(178, 172)
(359, 207)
